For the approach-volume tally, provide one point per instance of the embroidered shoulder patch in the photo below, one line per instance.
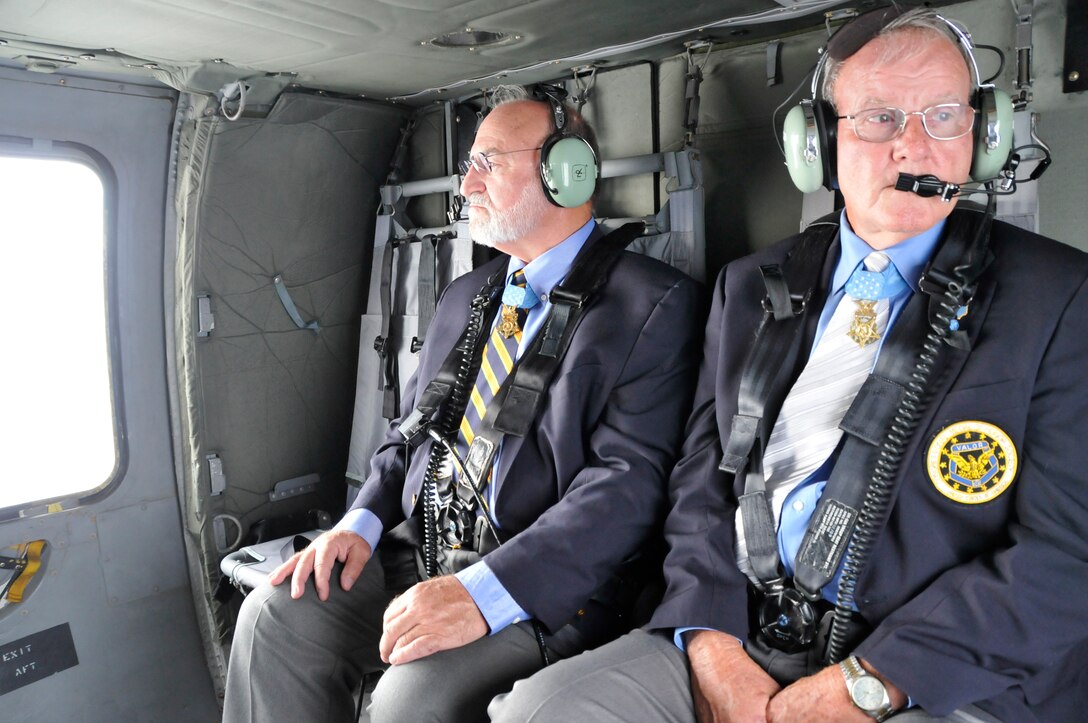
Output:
(971, 462)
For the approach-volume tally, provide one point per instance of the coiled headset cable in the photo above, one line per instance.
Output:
(450, 419)
(956, 294)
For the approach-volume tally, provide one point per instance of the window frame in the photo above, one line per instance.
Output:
(49, 149)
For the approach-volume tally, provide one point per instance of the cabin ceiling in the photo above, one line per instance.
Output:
(376, 48)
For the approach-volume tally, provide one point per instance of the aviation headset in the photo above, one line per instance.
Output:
(809, 131)
(568, 163)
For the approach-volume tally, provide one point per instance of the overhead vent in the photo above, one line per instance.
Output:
(472, 39)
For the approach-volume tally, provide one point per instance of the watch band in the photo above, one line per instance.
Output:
(866, 691)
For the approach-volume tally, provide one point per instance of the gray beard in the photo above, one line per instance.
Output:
(509, 226)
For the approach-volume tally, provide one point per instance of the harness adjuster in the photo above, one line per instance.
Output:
(797, 304)
(559, 295)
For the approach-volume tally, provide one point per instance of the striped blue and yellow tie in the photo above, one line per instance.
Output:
(498, 357)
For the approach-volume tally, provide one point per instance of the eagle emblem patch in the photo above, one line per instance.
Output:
(971, 462)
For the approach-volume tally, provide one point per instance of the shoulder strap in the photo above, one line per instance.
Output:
(778, 340)
(453, 371)
(766, 375)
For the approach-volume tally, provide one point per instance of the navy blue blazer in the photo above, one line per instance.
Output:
(583, 490)
(980, 603)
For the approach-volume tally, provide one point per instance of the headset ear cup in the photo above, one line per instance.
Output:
(568, 170)
(993, 133)
(808, 137)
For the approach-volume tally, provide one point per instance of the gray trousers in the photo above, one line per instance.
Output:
(640, 677)
(301, 660)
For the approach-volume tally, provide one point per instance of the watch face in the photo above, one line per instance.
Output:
(868, 693)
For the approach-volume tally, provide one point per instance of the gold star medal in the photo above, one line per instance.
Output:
(863, 328)
(508, 321)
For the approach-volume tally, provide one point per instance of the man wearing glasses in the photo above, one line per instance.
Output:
(880, 507)
(572, 501)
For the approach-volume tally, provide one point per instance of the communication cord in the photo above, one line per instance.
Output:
(451, 414)
(956, 294)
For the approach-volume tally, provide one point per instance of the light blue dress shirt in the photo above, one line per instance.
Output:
(541, 275)
(910, 257)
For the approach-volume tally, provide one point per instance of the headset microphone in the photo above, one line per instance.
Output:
(927, 186)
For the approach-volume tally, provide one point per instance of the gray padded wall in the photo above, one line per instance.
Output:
(750, 201)
(620, 110)
(1062, 116)
(293, 194)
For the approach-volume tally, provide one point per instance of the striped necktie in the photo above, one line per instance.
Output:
(499, 354)
(807, 429)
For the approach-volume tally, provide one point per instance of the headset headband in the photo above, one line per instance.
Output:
(854, 35)
(554, 96)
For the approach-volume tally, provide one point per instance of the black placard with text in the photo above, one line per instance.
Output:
(27, 660)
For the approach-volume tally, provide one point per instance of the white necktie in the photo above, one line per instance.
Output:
(807, 429)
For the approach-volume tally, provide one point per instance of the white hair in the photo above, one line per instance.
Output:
(919, 19)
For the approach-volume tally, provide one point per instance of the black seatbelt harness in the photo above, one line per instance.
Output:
(875, 415)
(517, 402)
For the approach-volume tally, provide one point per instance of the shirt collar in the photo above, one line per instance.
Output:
(910, 256)
(551, 267)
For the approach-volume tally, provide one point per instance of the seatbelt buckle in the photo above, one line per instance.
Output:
(414, 427)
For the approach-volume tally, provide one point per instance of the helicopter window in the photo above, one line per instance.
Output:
(58, 423)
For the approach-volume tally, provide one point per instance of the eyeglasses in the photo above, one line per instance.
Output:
(482, 161)
(944, 122)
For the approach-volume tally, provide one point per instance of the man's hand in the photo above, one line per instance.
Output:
(726, 684)
(435, 615)
(343, 545)
(823, 697)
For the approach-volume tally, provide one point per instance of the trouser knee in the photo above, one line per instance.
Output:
(405, 693)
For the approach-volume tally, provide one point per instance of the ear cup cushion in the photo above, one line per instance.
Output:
(568, 170)
(993, 133)
(808, 137)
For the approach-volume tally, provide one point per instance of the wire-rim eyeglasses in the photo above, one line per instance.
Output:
(482, 161)
(942, 122)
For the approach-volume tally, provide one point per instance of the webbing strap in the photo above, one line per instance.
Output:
(691, 90)
(388, 382)
(778, 343)
(427, 288)
(31, 552)
(289, 305)
(767, 369)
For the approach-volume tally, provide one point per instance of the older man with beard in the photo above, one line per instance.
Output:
(529, 565)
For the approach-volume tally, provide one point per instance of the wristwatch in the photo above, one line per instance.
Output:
(866, 691)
